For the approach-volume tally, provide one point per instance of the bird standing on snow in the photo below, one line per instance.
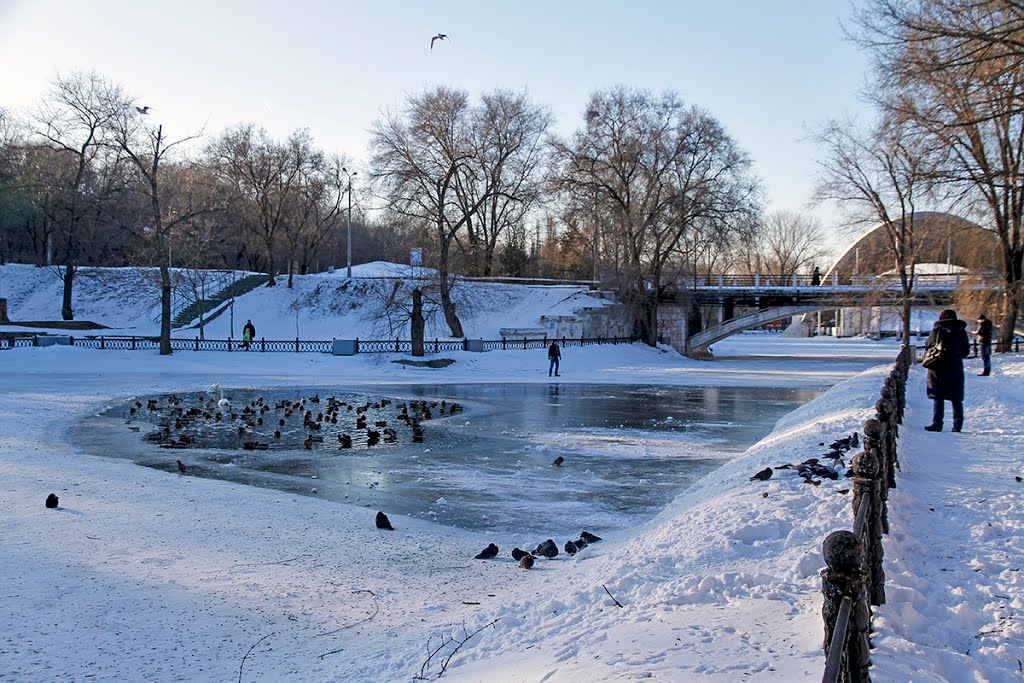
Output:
(383, 522)
(763, 475)
(439, 36)
(547, 549)
(526, 561)
(182, 467)
(557, 462)
(52, 500)
(589, 537)
(487, 553)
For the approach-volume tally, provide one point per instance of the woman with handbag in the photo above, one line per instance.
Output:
(947, 346)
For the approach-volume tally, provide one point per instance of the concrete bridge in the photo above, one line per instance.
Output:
(758, 302)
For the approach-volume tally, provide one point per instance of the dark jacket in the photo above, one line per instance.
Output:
(554, 351)
(947, 381)
(985, 331)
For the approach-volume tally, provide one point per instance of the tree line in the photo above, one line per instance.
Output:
(647, 189)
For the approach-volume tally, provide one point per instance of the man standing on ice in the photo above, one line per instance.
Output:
(554, 355)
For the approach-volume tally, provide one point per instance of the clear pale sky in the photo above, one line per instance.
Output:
(770, 71)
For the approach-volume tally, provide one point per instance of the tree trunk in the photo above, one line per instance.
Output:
(417, 322)
(1013, 293)
(66, 312)
(447, 305)
(165, 310)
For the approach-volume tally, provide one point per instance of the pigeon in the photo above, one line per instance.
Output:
(547, 549)
(580, 544)
(763, 475)
(142, 110)
(182, 467)
(487, 553)
(570, 548)
(589, 537)
(518, 554)
(1018, 478)
(52, 500)
(557, 462)
(439, 36)
(526, 561)
(383, 522)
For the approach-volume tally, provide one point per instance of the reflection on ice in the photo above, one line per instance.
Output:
(627, 450)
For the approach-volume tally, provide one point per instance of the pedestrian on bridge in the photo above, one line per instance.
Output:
(816, 277)
(946, 379)
(984, 333)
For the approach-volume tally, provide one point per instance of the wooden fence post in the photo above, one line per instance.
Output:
(867, 487)
(844, 578)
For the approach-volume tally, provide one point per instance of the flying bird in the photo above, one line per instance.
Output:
(439, 36)
(142, 110)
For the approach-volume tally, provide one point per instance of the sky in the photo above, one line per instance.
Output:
(771, 72)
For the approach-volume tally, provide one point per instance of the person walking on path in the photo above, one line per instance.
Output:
(946, 379)
(984, 332)
(248, 334)
(816, 277)
(554, 355)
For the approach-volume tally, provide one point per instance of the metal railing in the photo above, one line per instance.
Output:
(263, 345)
(854, 580)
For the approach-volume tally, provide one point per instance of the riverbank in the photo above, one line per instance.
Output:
(145, 574)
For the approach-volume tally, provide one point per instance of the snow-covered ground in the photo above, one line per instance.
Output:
(143, 574)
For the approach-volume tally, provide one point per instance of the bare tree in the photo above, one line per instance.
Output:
(878, 176)
(789, 242)
(148, 152)
(266, 177)
(508, 135)
(418, 155)
(668, 177)
(954, 69)
(72, 120)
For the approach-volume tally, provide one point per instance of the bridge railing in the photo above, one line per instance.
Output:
(775, 281)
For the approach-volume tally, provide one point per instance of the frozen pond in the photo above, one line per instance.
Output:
(627, 450)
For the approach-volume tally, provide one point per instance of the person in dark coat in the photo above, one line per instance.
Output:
(984, 332)
(554, 355)
(248, 334)
(816, 277)
(946, 382)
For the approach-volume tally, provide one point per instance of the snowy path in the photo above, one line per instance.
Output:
(955, 555)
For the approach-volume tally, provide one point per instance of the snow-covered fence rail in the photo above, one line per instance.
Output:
(397, 345)
(854, 579)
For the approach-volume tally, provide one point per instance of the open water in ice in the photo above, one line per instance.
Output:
(628, 450)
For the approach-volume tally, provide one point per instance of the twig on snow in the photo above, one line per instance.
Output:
(610, 595)
(246, 656)
(376, 609)
(444, 643)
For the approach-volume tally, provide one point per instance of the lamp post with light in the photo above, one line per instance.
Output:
(348, 221)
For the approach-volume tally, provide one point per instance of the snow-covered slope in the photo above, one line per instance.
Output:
(320, 306)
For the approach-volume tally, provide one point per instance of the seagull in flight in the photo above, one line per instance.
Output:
(439, 36)
(142, 110)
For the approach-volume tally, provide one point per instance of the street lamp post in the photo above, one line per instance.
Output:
(348, 222)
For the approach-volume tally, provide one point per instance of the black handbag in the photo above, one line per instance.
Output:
(934, 355)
